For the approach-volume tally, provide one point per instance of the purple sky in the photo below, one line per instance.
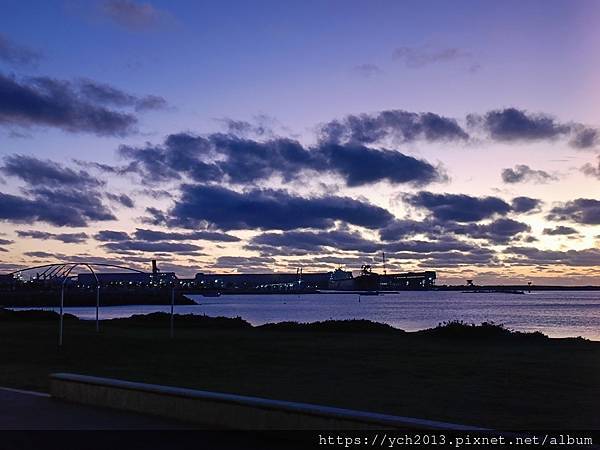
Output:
(461, 137)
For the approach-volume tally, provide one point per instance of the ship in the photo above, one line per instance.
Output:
(341, 280)
(344, 281)
(367, 280)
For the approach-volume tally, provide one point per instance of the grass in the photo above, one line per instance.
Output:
(479, 375)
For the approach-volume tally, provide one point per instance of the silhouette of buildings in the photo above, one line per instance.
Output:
(154, 278)
(339, 279)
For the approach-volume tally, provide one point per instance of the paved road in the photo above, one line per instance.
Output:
(21, 410)
(94, 428)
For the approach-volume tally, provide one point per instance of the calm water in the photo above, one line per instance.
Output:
(557, 314)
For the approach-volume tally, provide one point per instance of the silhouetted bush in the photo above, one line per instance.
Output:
(487, 330)
(333, 325)
(31, 315)
(182, 320)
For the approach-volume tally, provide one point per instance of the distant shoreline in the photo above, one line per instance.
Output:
(162, 296)
(506, 287)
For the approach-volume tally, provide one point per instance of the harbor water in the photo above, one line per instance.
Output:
(554, 313)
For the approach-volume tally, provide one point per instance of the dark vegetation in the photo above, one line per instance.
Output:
(7, 315)
(362, 326)
(483, 375)
(160, 319)
(487, 330)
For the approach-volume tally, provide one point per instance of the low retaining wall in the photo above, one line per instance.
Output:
(216, 410)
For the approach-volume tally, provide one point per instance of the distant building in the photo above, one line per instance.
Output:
(336, 280)
(408, 281)
(127, 278)
(154, 278)
(264, 281)
(84, 279)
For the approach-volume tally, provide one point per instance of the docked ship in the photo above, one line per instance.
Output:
(344, 281)
(341, 280)
(367, 280)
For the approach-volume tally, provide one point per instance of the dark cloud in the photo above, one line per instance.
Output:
(156, 193)
(104, 94)
(133, 15)
(121, 199)
(155, 217)
(361, 165)
(150, 102)
(41, 254)
(268, 209)
(477, 257)
(523, 173)
(513, 124)
(309, 242)
(143, 246)
(591, 170)
(315, 241)
(261, 126)
(167, 163)
(440, 245)
(529, 239)
(499, 231)
(17, 55)
(248, 160)
(247, 264)
(142, 234)
(56, 207)
(525, 204)
(47, 173)
(533, 256)
(88, 204)
(503, 125)
(560, 231)
(397, 125)
(67, 238)
(107, 168)
(417, 57)
(226, 157)
(585, 138)
(400, 229)
(6, 242)
(49, 102)
(582, 210)
(439, 241)
(109, 235)
(458, 208)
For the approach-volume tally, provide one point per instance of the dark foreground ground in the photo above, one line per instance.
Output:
(482, 376)
(23, 411)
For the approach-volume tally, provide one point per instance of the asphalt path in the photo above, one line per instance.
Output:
(34, 420)
(25, 410)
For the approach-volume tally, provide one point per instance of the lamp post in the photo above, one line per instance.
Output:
(97, 307)
(172, 311)
(60, 322)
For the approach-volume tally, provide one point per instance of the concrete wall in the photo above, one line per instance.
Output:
(216, 410)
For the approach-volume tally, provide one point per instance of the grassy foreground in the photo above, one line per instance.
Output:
(481, 375)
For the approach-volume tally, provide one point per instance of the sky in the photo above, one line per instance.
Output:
(261, 136)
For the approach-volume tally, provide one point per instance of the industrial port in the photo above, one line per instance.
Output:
(88, 275)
